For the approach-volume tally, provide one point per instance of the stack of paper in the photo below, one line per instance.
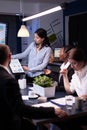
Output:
(47, 104)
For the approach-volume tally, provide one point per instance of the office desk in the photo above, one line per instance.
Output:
(34, 101)
(73, 113)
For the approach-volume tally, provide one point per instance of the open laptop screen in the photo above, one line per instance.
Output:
(16, 67)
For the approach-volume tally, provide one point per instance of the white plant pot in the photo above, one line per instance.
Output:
(47, 92)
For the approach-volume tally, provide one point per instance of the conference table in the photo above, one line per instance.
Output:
(73, 113)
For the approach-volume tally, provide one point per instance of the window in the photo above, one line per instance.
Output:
(3, 33)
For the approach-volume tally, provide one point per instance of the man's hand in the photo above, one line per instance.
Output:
(84, 97)
(60, 113)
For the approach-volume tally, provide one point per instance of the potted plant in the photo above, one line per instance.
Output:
(44, 86)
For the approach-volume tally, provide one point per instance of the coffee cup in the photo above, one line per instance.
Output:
(31, 94)
(22, 83)
(69, 101)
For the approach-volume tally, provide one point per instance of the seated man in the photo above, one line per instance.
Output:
(12, 108)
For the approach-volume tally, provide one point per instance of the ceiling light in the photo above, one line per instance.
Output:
(23, 31)
(43, 13)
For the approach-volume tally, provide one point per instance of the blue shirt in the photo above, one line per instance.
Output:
(37, 61)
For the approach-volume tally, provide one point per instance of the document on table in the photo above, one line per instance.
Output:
(62, 101)
(57, 103)
(47, 104)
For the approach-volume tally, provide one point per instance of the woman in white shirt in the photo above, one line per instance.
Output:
(78, 83)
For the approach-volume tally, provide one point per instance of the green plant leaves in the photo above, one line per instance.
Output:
(43, 81)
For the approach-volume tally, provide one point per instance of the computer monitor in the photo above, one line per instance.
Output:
(56, 52)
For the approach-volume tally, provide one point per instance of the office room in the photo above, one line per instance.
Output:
(64, 28)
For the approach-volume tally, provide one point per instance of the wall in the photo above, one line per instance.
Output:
(12, 28)
(53, 24)
(73, 8)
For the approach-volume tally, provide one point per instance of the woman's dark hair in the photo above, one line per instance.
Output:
(43, 34)
(67, 48)
(77, 54)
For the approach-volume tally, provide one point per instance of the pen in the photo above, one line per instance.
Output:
(57, 104)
